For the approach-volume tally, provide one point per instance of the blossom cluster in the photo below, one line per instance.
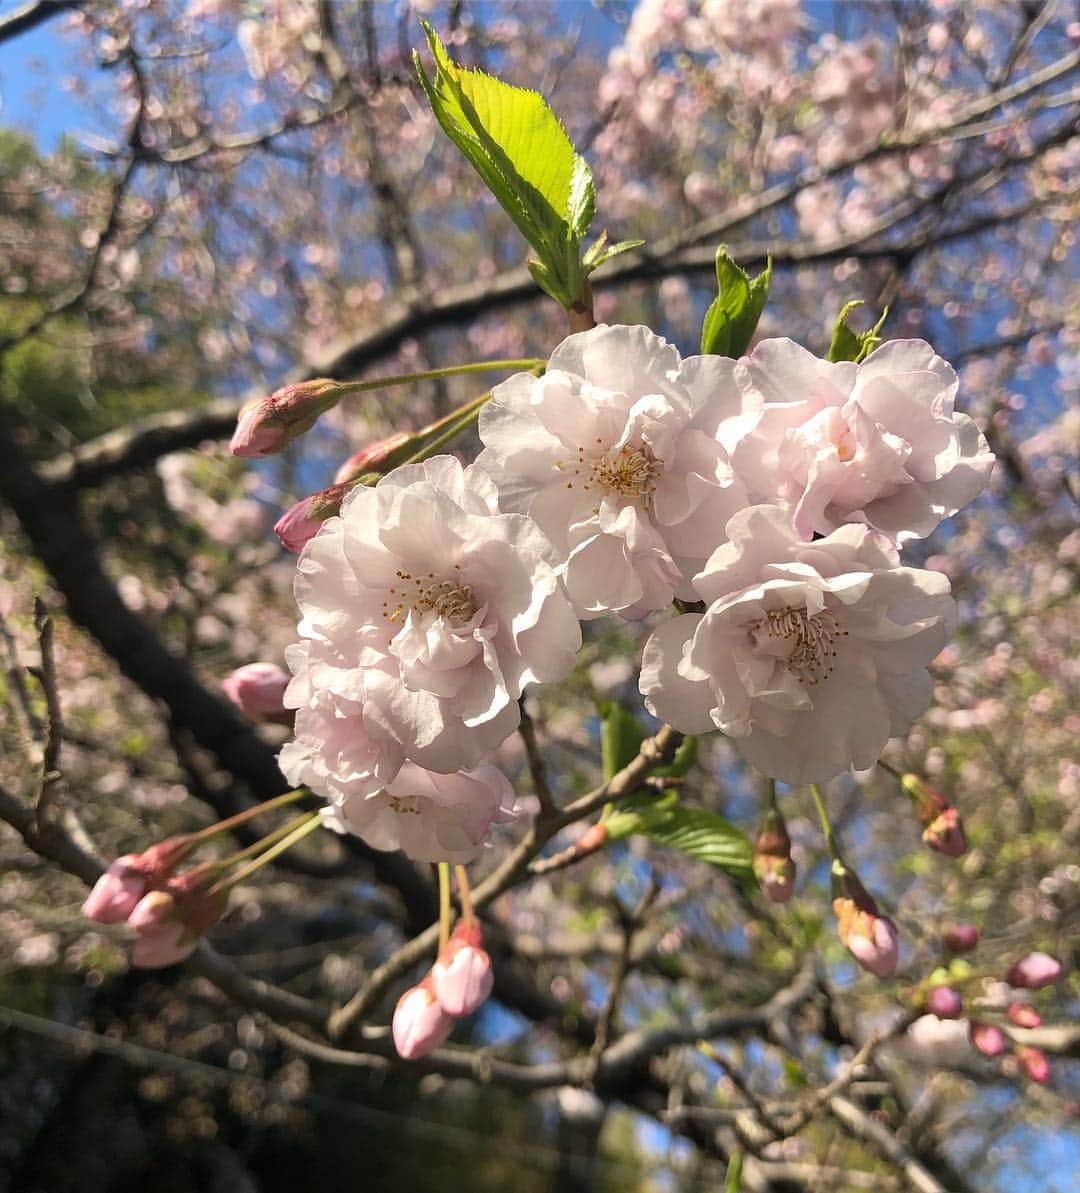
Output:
(768, 497)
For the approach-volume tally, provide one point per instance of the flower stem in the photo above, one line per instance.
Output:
(444, 905)
(480, 366)
(469, 415)
(826, 823)
(308, 824)
(279, 801)
(885, 766)
(464, 893)
(270, 839)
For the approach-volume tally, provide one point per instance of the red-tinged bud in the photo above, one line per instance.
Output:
(944, 1002)
(420, 1024)
(1034, 1063)
(267, 425)
(462, 977)
(170, 923)
(153, 910)
(776, 876)
(591, 840)
(300, 523)
(869, 937)
(960, 938)
(117, 892)
(1034, 971)
(945, 833)
(371, 458)
(1023, 1014)
(773, 864)
(258, 690)
(988, 1039)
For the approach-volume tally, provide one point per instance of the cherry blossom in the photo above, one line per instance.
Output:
(809, 655)
(425, 612)
(620, 452)
(432, 817)
(877, 442)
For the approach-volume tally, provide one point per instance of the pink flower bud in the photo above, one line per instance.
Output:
(960, 938)
(1023, 1014)
(945, 833)
(258, 689)
(420, 1024)
(153, 910)
(1034, 971)
(372, 457)
(1034, 1063)
(116, 892)
(944, 1002)
(462, 977)
(987, 1039)
(777, 877)
(299, 524)
(162, 944)
(869, 937)
(267, 425)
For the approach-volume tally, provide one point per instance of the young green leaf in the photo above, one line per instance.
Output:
(600, 251)
(731, 320)
(621, 736)
(518, 147)
(852, 345)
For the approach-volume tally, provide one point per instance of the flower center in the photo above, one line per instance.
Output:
(631, 472)
(448, 599)
(405, 805)
(811, 639)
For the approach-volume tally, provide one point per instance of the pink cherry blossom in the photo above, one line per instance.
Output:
(432, 817)
(877, 442)
(988, 1039)
(1034, 971)
(425, 612)
(944, 1002)
(621, 454)
(810, 656)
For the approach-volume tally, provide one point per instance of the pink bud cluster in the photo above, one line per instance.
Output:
(773, 864)
(870, 937)
(169, 911)
(943, 828)
(258, 690)
(458, 984)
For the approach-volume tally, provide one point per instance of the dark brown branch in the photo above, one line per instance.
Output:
(22, 20)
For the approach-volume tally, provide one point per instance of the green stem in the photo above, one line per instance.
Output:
(826, 823)
(469, 416)
(279, 801)
(482, 366)
(309, 823)
(444, 905)
(270, 839)
(464, 893)
(885, 766)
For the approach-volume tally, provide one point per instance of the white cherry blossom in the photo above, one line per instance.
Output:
(432, 817)
(877, 442)
(425, 612)
(621, 452)
(809, 655)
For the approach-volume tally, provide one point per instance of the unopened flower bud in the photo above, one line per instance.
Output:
(1034, 1063)
(267, 425)
(462, 977)
(1023, 1014)
(153, 910)
(960, 938)
(258, 690)
(300, 523)
(371, 458)
(945, 833)
(988, 1039)
(773, 864)
(1034, 971)
(420, 1024)
(161, 945)
(944, 1002)
(116, 893)
(870, 937)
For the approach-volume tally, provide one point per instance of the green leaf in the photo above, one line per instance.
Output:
(601, 251)
(700, 834)
(852, 345)
(621, 736)
(733, 1179)
(731, 320)
(685, 757)
(516, 144)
